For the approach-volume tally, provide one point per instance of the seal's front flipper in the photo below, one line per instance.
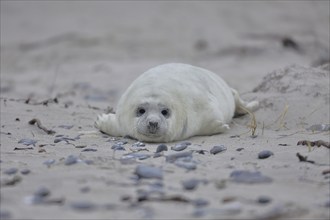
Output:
(243, 107)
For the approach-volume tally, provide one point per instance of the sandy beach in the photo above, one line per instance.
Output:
(64, 63)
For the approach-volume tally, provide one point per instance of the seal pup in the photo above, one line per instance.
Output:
(173, 102)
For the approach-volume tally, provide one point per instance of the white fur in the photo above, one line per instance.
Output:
(201, 103)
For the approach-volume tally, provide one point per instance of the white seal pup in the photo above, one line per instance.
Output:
(173, 102)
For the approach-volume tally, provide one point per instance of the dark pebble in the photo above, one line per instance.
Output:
(85, 189)
(264, 199)
(218, 149)
(11, 171)
(245, 176)
(161, 147)
(27, 141)
(117, 147)
(89, 150)
(83, 206)
(190, 184)
(265, 154)
(240, 149)
(25, 171)
(145, 171)
(71, 159)
(42, 192)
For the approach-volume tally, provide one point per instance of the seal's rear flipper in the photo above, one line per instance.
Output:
(243, 107)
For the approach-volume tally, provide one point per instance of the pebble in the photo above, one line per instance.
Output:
(265, 154)
(27, 142)
(186, 162)
(89, 150)
(240, 149)
(180, 146)
(138, 156)
(61, 138)
(245, 176)
(42, 192)
(149, 172)
(85, 189)
(83, 206)
(49, 162)
(173, 157)
(25, 171)
(138, 144)
(218, 149)
(190, 184)
(200, 202)
(11, 171)
(264, 199)
(161, 147)
(117, 147)
(70, 160)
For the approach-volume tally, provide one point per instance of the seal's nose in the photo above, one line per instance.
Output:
(153, 124)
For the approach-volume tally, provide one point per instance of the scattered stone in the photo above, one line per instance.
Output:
(25, 171)
(146, 171)
(27, 142)
(83, 206)
(135, 155)
(245, 176)
(264, 199)
(49, 162)
(180, 146)
(265, 154)
(11, 171)
(186, 162)
(138, 144)
(85, 189)
(200, 202)
(240, 149)
(42, 192)
(71, 159)
(173, 157)
(117, 147)
(190, 184)
(161, 147)
(13, 180)
(218, 149)
(89, 150)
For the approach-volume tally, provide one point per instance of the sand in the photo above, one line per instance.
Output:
(64, 63)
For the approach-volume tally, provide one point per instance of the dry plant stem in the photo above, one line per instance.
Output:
(253, 125)
(37, 121)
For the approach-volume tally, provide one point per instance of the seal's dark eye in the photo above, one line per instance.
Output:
(140, 111)
(165, 113)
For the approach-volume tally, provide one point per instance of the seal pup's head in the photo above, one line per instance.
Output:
(153, 118)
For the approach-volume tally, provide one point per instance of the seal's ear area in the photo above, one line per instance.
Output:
(242, 107)
(107, 123)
